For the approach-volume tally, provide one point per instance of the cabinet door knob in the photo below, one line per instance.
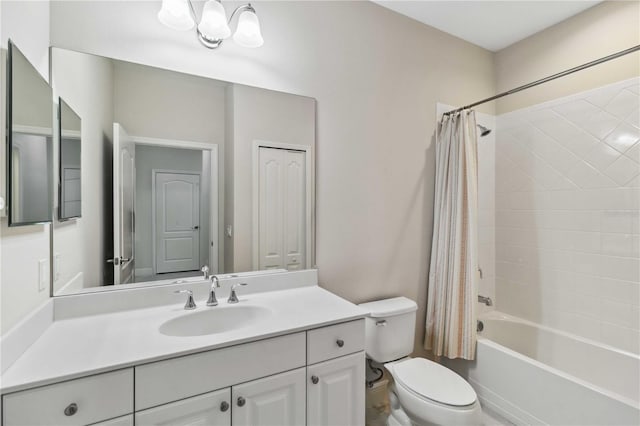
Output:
(340, 343)
(71, 409)
(224, 406)
(315, 380)
(241, 401)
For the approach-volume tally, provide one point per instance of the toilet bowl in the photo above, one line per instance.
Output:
(426, 393)
(423, 392)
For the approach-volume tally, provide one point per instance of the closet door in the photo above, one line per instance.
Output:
(282, 201)
(294, 209)
(278, 400)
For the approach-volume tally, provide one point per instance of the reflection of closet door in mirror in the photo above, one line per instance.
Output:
(70, 189)
(30, 120)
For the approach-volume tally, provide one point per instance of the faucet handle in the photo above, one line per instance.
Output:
(191, 304)
(205, 271)
(213, 301)
(233, 297)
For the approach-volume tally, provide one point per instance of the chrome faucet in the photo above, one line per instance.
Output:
(205, 272)
(191, 304)
(486, 300)
(233, 297)
(215, 283)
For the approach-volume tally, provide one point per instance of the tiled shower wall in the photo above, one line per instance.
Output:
(567, 214)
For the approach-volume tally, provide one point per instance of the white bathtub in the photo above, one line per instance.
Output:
(533, 374)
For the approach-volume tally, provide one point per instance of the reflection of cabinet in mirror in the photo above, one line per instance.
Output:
(70, 193)
(3, 145)
(30, 135)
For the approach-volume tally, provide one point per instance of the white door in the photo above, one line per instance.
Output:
(275, 401)
(336, 391)
(177, 222)
(210, 409)
(124, 184)
(282, 201)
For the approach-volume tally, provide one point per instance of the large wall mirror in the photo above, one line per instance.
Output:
(178, 172)
(30, 142)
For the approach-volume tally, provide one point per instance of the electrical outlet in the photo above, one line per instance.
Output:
(43, 274)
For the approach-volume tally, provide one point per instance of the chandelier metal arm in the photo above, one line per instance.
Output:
(215, 43)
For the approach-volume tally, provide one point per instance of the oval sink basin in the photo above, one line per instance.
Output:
(214, 320)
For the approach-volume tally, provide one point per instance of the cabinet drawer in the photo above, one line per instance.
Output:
(334, 341)
(211, 409)
(167, 381)
(96, 398)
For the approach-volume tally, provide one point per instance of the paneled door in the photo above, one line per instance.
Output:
(282, 216)
(277, 400)
(210, 409)
(124, 185)
(336, 391)
(177, 221)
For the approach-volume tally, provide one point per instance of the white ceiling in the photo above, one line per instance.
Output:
(493, 25)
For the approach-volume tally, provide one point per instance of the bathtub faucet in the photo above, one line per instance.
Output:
(486, 300)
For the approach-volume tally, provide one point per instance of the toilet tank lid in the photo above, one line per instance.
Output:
(389, 307)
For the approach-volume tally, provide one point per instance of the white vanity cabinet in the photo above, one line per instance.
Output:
(313, 377)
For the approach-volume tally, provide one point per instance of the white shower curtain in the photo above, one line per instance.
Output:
(453, 276)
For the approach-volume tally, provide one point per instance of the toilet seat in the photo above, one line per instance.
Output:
(433, 382)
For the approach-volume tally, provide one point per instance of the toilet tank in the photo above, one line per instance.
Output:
(389, 328)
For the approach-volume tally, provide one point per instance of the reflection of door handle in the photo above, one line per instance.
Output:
(118, 260)
(195, 228)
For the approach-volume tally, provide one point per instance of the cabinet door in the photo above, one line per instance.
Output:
(335, 391)
(211, 409)
(275, 400)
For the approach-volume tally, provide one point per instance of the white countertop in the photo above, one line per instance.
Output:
(87, 345)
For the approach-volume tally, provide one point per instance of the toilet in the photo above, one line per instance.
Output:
(423, 392)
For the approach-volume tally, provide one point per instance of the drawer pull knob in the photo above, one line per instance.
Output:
(224, 406)
(71, 409)
(340, 343)
(241, 402)
(315, 380)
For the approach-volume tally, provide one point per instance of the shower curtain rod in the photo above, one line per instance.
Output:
(549, 78)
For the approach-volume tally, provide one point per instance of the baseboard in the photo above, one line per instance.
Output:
(144, 272)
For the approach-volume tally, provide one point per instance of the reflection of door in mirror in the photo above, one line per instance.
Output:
(176, 221)
(124, 180)
(282, 201)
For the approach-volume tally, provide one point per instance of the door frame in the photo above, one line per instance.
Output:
(154, 173)
(214, 182)
(309, 202)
